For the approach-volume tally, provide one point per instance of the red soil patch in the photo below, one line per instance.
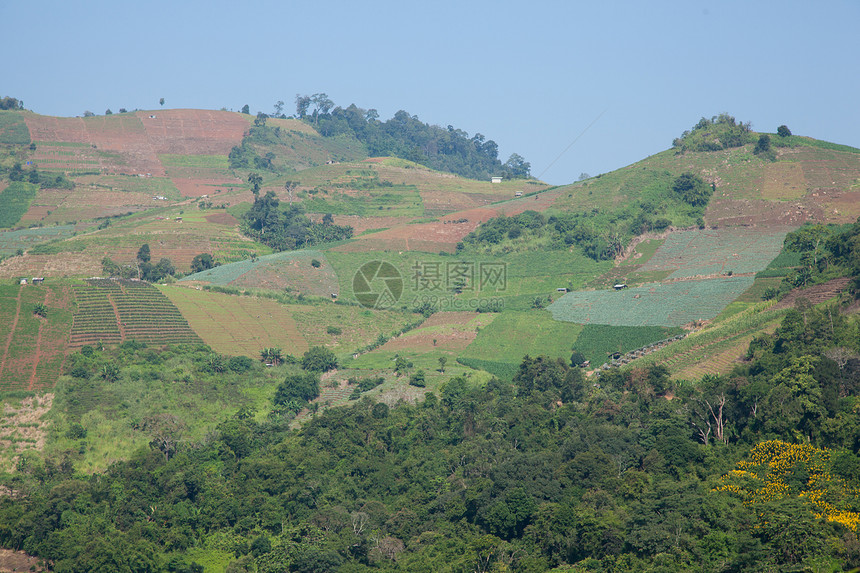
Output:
(442, 331)
(222, 219)
(360, 224)
(38, 212)
(193, 131)
(442, 235)
(724, 212)
(133, 141)
(200, 187)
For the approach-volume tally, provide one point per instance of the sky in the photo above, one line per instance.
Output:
(573, 87)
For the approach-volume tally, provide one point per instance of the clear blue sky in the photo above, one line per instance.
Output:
(530, 75)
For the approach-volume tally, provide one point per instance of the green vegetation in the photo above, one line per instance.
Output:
(15, 200)
(545, 472)
(515, 334)
(720, 132)
(598, 342)
(656, 304)
(288, 229)
(406, 137)
(13, 130)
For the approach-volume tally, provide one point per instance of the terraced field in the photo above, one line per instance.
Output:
(115, 310)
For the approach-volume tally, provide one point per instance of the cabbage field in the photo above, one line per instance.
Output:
(654, 304)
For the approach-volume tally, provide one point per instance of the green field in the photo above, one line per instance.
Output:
(514, 334)
(202, 161)
(670, 304)
(24, 239)
(15, 200)
(597, 342)
(13, 129)
(511, 282)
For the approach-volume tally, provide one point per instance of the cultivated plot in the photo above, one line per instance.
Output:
(717, 251)
(670, 304)
(292, 270)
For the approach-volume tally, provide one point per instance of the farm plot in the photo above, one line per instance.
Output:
(13, 130)
(598, 342)
(115, 310)
(24, 239)
(238, 325)
(716, 251)
(34, 349)
(292, 270)
(671, 304)
(15, 200)
(501, 345)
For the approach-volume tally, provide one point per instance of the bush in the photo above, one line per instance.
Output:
(783, 131)
(335, 330)
(315, 263)
(319, 359)
(692, 189)
(418, 379)
(297, 388)
(240, 364)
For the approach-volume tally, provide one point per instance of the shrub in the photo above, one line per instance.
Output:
(319, 359)
(335, 330)
(418, 379)
(692, 189)
(783, 131)
(315, 263)
(240, 364)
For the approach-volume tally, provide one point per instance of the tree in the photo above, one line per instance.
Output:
(289, 187)
(108, 112)
(783, 131)
(517, 167)
(143, 254)
(279, 109)
(202, 262)
(246, 110)
(39, 309)
(762, 145)
(166, 431)
(297, 389)
(319, 359)
(255, 180)
(692, 189)
(442, 361)
(161, 102)
(303, 102)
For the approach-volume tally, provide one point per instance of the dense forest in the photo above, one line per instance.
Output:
(631, 471)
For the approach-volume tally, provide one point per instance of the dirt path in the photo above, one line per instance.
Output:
(11, 331)
(37, 354)
(119, 323)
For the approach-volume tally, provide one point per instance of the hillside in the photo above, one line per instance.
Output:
(308, 358)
